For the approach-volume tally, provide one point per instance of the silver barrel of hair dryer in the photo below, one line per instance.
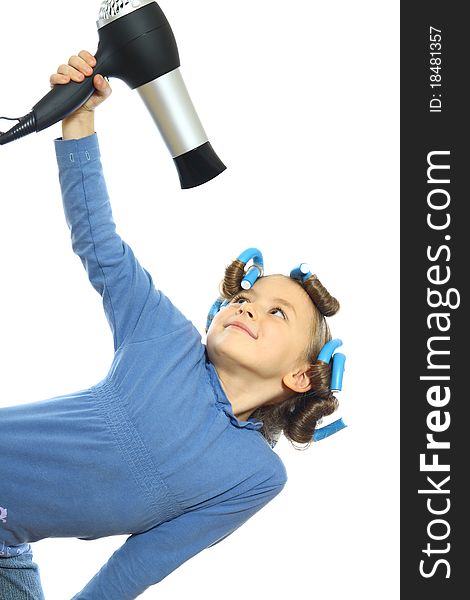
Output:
(137, 45)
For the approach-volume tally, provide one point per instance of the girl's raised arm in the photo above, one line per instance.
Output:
(129, 297)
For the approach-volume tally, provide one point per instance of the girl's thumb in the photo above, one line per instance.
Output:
(102, 85)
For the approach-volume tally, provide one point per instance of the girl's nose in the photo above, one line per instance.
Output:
(246, 309)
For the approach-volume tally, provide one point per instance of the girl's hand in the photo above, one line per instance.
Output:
(77, 69)
(81, 123)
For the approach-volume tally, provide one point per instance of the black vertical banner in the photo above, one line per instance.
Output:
(435, 267)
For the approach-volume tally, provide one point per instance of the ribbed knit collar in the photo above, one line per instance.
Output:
(224, 403)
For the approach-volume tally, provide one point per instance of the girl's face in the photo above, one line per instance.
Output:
(266, 329)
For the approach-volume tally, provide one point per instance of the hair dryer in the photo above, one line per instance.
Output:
(137, 45)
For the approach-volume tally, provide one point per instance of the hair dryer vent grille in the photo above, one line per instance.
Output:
(110, 9)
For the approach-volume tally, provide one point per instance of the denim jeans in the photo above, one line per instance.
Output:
(19, 575)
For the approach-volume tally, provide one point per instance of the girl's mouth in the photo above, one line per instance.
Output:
(242, 327)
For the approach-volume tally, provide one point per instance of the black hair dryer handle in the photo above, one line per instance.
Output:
(63, 100)
(60, 102)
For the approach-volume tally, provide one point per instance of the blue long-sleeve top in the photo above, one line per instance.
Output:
(154, 449)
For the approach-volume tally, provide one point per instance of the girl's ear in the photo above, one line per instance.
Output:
(298, 381)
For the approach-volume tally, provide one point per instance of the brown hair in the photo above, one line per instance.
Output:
(298, 416)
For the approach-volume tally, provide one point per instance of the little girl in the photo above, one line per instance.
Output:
(175, 445)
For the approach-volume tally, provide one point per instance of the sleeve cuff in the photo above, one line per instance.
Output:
(74, 153)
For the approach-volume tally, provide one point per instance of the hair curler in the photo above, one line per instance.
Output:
(137, 45)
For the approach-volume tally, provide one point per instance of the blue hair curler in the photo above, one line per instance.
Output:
(327, 351)
(256, 270)
(250, 277)
(251, 253)
(323, 432)
(301, 272)
(218, 304)
(337, 372)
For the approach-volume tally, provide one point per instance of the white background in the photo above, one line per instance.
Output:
(300, 101)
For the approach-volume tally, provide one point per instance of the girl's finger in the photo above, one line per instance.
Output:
(57, 78)
(87, 57)
(80, 65)
(73, 73)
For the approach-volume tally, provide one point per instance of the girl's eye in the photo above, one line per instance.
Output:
(279, 310)
(237, 299)
(275, 311)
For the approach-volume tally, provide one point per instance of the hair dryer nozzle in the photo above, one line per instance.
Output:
(198, 166)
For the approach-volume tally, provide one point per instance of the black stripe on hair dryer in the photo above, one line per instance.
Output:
(137, 45)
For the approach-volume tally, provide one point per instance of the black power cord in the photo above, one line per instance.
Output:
(9, 119)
